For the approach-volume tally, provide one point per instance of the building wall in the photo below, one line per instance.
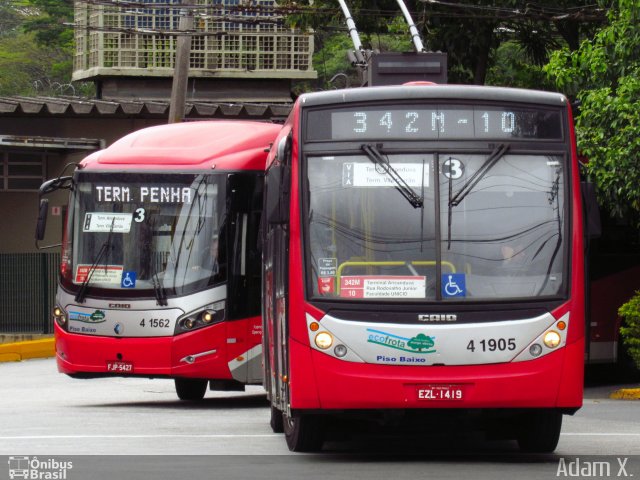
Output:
(19, 210)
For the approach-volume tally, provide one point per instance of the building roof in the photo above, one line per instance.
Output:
(83, 107)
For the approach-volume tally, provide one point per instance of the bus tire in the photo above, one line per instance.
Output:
(191, 389)
(303, 433)
(276, 422)
(539, 432)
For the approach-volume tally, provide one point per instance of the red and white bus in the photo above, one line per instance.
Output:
(423, 257)
(160, 270)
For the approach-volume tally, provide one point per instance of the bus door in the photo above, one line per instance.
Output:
(276, 267)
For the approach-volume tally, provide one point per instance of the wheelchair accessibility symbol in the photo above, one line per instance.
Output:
(128, 280)
(453, 285)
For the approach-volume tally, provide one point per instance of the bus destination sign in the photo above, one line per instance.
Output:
(417, 122)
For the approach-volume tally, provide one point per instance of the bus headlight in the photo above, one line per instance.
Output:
(552, 339)
(324, 340)
(60, 316)
(207, 315)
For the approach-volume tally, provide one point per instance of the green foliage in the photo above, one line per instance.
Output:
(330, 58)
(470, 34)
(49, 25)
(630, 330)
(511, 67)
(27, 68)
(604, 75)
(36, 48)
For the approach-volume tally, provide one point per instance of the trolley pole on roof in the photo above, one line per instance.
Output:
(415, 35)
(181, 67)
(353, 32)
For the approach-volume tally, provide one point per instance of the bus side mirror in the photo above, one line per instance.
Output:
(592, 225)
(42, 218)
(277, 194)
(55, 184)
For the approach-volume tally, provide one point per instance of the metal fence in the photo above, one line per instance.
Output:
(27, 291)
(227, 40)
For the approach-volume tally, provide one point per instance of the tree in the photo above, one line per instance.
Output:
(36, 47)
(52, 24)
(630, 330)
(27, 68)
(470, 32)
(421, 342)
(604, 76)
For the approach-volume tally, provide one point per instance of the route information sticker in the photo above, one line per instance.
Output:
(370, 175)
(107, 222)
(383, 287)
(102, 274)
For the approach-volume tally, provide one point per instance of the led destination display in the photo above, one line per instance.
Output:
(419, 122)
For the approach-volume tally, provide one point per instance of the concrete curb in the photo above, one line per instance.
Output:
(626, 394)
(15, 352)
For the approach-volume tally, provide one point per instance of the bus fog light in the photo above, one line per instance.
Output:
(59, 316)
(324, 340)
(535, 350)
(552, 339)
(188, 323)
(340, 350)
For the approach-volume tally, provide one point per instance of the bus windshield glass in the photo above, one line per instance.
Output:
(490, 225)
(147, 231)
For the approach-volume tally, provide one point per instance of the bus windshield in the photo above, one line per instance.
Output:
(146, 231)
(490, 226)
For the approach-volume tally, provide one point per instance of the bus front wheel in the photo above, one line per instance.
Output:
(539, 432)
(276, 422)
(303, 433)
(191, 389)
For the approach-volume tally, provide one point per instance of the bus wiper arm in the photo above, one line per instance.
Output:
(158, 289)
(373, 153)
(488, 164)
(82, 291)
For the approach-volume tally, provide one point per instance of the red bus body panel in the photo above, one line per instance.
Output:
(160, 356)
(320, 382)
(221, 145)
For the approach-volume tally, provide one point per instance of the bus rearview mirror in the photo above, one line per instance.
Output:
(42, 218)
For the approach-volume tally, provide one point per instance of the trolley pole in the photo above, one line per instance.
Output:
(181, 68)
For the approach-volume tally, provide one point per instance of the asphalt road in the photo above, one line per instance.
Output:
(138, 429)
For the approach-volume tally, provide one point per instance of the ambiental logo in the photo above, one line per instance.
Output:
(96, 317)
(35, 469)
(421, 343)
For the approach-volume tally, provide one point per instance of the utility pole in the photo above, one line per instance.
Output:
(181, 68)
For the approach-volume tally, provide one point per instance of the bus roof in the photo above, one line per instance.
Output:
(433, 92)
(229, 145)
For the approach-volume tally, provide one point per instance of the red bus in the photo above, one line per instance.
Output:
(423, 259)
(160, 270)
(613, 272)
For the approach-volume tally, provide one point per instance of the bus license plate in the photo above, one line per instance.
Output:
(120, 367)
(440, 392)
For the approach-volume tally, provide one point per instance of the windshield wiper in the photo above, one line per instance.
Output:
(82, 292)
(455, 200)
(158, 289)
(378, 159)
(488, 164)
